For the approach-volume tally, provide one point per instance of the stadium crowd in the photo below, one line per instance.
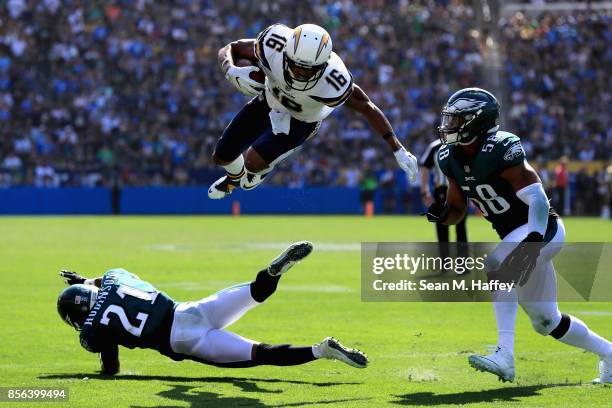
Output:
(128, 91)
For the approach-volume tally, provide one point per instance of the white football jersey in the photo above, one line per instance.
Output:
(313, 105)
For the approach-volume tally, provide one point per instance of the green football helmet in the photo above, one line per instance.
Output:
(75, 302)
(469, 114)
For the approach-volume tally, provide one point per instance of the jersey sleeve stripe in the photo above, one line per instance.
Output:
(259, 48)
(338, 100)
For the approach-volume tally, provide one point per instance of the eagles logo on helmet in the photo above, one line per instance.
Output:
(469, 114)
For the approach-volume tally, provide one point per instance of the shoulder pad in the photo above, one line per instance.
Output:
(336, 84)
(273, 36)
(504, 150)
(443, 159)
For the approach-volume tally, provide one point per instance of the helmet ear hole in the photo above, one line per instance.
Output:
(75, 303)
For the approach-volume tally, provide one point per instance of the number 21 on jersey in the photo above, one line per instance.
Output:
(117, 310)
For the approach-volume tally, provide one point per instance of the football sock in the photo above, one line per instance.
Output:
(235, 169)
(264, 285)
(505, 305)
(282, 355)
(574, 332)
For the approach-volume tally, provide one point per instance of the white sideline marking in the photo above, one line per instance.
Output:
(259, 246)
(593, 313)
(216, 286)
(318, 246)
(170, 247)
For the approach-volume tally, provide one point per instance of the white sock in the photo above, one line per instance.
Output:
(579, 335)
(235, 168)
(316, 352)
(505, 305)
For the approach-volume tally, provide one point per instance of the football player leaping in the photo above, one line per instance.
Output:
(488, 166)
(120, 309)
(305, 82)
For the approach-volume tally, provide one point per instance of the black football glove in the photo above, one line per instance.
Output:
(517, 266)
(437, 212)
(71, 278)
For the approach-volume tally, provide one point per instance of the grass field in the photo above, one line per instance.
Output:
(418, 351)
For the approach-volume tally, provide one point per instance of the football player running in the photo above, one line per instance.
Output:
(305, 82)
(488, 166)
(121, 309)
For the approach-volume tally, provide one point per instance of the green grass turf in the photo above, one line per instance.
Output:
(418, 351)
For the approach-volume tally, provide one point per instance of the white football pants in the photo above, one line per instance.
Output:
(197, 326)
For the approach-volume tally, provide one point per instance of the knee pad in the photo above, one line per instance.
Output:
(544, 316)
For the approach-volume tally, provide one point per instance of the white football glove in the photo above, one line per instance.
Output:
(239, 77)
(407, 162)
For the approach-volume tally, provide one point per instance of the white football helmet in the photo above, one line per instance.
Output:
(305, 56)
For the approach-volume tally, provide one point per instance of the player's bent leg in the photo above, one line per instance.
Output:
(227, 306)
(546, 319)
(224, 347)
(270, 149)
(256, 170)
(243, 130)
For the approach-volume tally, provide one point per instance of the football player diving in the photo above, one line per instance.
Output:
(119, 308)
(304, 82)
(488, 166)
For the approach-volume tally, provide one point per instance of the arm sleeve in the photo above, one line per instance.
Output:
(534, 196)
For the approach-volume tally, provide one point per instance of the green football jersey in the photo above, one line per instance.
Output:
(479, 180)
(129, 312)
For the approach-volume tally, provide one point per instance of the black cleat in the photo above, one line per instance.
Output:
(289, 257)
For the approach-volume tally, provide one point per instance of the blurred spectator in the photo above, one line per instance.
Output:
(93, 90)
(561, 184)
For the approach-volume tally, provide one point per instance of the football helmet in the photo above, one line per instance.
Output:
(469, 113)
(75, 303)
(305, 56)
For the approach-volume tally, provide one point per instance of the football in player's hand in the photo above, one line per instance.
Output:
(258, 76)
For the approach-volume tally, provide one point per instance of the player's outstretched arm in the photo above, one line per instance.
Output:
(109, 360)
(360, 102)
(73, 278)
(239, 76)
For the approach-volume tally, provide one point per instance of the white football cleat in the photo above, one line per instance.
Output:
(500, 363)
(222, 188)
(252, 180)
(289, 257)
(331, 349)
(605, 371)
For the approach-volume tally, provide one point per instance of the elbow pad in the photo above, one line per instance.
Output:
(534, 196)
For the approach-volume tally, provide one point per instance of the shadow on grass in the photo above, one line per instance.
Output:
(190, 394)
(505, 394)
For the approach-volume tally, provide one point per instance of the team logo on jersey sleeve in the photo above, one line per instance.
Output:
(514, 151)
